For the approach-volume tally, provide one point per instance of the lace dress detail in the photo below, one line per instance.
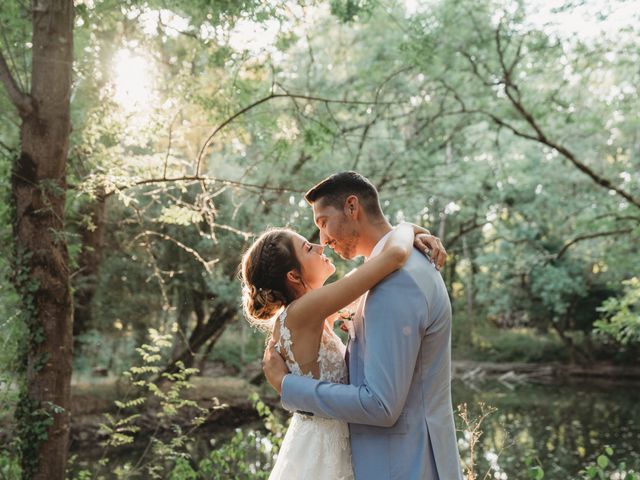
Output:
(315, 447)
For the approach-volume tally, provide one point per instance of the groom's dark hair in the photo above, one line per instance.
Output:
(335, 189)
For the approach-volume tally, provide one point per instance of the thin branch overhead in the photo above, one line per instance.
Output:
(535, 131)
(590, 236)
(204, 178)
(273, 96)
(511, 90)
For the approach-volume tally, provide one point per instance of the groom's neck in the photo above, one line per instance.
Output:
(371, 234)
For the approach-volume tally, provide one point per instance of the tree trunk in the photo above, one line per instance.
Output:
(575, 355)
(469, 293)
(184, 308)
(209, 332)
(42, 271)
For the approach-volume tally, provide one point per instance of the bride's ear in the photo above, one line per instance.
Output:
(294, 278)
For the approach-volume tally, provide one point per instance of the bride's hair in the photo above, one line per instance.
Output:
(263, 272)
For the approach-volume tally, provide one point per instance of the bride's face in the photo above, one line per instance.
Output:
(316, 267)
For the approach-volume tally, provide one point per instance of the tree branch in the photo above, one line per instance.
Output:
(589, 236)
(19, 99)
(541, 137)
(194, 253)
(463, 230)
(363, 138)
(233, 183)
(200, 178)
(618, 217)
(271, 97)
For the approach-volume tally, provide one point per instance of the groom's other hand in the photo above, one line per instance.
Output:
(432, 247)
(273, 366)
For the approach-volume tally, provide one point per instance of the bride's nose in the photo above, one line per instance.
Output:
(319, 248)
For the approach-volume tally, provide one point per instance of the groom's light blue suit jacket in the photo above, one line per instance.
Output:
(398, 402)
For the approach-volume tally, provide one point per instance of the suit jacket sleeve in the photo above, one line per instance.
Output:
(396, 316)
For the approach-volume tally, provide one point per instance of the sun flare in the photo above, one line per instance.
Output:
(132, 81)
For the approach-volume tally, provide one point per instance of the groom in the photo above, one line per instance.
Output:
(398, 402)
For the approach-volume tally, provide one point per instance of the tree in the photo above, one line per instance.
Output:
(42, 263)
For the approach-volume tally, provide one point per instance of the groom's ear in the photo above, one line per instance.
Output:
(351, 205)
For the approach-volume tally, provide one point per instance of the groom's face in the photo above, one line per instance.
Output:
(338, 230)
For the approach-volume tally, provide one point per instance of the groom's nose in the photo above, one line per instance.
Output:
(323, 239)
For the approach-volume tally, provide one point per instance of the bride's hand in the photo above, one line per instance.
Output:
(432, 247)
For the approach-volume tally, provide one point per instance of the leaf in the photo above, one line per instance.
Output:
(177, 215)
(603, 461)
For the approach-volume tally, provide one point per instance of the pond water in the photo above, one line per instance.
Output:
(564, 426)
(561, 426)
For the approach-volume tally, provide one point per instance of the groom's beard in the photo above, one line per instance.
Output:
(347, 246)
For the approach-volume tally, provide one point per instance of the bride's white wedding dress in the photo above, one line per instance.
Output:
(314, 447)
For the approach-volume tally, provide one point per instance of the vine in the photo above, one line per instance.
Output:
(32, 418)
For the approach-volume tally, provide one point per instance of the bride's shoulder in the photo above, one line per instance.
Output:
(299, 316)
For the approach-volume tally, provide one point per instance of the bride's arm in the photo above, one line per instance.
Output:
(428, 244)
(311, 309)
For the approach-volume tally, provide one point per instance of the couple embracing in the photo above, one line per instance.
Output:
(379, 408)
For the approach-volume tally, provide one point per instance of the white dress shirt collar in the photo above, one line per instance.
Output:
(380, 245)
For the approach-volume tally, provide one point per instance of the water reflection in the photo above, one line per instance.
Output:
(564, 426)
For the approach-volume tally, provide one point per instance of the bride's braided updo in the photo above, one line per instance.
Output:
(264, 271)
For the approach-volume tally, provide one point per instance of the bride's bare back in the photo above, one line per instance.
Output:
(318, 356)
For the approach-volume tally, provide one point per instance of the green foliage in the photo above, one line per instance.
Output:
(183, 471)
(180, 216)
(350, 10)
(9, 465)
(604, 468)
(103, 349)
(166, 403)
(238, 346)
(407, 109)
(417, 101)
(12, 325)
(622, 315)
(33, 421)
(247, 455)
(18, 311)
(516, 345)
(536, 473)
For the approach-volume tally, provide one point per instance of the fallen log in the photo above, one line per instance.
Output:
(466, 369)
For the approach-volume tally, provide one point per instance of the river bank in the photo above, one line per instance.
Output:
(565, 422)
(93, 397)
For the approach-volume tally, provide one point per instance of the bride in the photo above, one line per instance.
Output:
(283, 276)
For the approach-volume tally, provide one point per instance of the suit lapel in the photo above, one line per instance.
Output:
(355, 345)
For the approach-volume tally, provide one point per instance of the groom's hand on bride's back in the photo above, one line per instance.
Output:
(273, 366)
(432, 247)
